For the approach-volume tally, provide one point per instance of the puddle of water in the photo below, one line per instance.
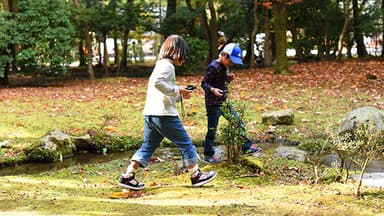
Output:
(79, 158)
(91, 158)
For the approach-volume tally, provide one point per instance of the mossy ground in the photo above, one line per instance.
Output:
(319, 93)
(86, 190)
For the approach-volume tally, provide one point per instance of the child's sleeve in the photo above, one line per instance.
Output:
(164, 82)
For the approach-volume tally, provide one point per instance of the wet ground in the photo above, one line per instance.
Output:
(374, 173)
(80, 158)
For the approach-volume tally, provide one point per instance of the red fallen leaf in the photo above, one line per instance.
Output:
(154, 184)
(110, 129)
(126, 194)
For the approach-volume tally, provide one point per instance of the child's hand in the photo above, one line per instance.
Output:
(231, 76)
(185, 92)
(217, 92)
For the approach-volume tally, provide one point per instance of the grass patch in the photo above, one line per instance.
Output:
(320, 98)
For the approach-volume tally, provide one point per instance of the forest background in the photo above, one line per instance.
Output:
(336, 66)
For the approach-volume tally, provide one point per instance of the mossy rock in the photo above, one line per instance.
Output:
(37, 153)
(252, 162)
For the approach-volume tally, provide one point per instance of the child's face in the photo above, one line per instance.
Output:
(227, 61)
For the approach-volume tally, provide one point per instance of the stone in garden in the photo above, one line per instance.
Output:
(290, 153)
(363, 115)
(54, 146)
(82, 142)
(375, 179)
(283, 117)
(6, 144)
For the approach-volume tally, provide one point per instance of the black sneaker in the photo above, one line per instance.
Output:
(201, 178)
(130, 183)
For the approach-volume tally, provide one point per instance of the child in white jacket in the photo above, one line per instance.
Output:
(161, 118)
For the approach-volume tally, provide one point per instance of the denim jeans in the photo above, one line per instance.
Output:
(213, 116)
(158, 127)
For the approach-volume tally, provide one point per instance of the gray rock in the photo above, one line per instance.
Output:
(82, 142)
(54, 146)
(283, 117)
(375, 179)
(6, 144)
(290, 153)
(364, 115)
(331, 160)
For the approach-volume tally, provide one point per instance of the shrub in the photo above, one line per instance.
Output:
(363, 144)
(233, 134)
(197, 53)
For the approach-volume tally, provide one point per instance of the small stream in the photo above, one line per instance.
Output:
(79, 158)
(376, 166)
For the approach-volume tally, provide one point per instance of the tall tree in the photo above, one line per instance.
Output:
(268, 45)
(344, 30)
(83, 18)
(44, 36)
(210, 27)
(132, 17)
(254, 32)
(6, 48)
(358, 35)
(171, 10)
(280, 27)
(382, 33)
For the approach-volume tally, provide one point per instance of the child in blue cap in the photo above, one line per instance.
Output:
(215, 85)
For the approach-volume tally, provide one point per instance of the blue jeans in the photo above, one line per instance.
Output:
(213, 115)
(158, 127)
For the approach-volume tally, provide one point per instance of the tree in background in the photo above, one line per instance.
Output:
(7, 45)
(133, 17)
(103, 21)
(44, 36)
(253, 35)
(6, 27)
(82, 18)
(357, 28)
(344, 30)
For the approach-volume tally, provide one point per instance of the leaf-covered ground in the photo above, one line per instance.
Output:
(319, 93)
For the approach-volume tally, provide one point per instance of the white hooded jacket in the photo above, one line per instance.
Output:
(162, 92)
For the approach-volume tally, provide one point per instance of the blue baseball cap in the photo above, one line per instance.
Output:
(234, 52)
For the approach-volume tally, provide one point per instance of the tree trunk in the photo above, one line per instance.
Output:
(82, 58)
(116, 49)
(207, 30)
(361, 51)
(344, 31)
(267, 41)
(203, 22)
(123, 61)
(280, 26)
(191, 24)
(171, 9)
(253, 35)
(105, 56)
(382, 21)
(296, 43)
(88, 43)
(213, 30)
(12, 7)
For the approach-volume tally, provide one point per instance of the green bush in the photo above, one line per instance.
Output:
(232, 134)
(197, 53)
(35, 153)
(104, 141)
(362, 145)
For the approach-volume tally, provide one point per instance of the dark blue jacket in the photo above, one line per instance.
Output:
(215, 76)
